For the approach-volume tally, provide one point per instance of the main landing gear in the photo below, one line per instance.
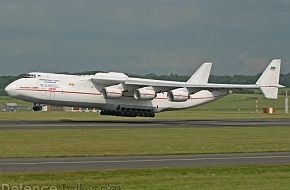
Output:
(129, 112)
(37, 107)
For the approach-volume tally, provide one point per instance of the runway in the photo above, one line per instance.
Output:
(67, 124)
(166, 161)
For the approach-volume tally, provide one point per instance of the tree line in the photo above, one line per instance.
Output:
(223, 79)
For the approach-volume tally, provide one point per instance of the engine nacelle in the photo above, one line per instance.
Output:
(111, 92)
(146, 93)
(178, 95)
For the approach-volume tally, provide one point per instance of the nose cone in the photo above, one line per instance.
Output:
(11, 89)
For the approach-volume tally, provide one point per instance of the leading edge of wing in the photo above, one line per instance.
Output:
(174, 84)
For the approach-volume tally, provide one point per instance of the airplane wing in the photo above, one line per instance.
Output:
(268, 82)
(199, 80)
(108, 79)
(162, 86)
(168, 85)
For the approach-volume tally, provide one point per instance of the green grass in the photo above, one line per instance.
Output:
(221, 178)
(100, 142)
(243, 102)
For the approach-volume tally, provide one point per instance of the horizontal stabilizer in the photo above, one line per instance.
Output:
(270, 92)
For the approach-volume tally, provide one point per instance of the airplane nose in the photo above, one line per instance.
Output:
(10, 89)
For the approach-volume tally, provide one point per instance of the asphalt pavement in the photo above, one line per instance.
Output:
(130, 162)
(67, 124)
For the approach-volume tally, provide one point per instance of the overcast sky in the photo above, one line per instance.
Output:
(143, 36)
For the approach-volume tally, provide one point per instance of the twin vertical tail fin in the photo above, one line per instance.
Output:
(201, 75)
(269, 80)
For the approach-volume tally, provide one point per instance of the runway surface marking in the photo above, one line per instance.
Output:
(127, 162)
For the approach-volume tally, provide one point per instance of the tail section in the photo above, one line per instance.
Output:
(269, 80)
(201, 75)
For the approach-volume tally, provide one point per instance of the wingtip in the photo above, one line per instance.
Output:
(281, 86)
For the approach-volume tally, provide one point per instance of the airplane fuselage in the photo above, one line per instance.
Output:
(81, 91)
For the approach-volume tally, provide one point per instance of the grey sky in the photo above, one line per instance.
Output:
(143, 36)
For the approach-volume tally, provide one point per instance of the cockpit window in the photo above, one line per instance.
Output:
(31, 76)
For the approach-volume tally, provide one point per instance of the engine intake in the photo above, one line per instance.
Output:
(178, 95)
(111, 92)
(146, 93)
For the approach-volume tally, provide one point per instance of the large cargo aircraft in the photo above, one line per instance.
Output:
(119, 95)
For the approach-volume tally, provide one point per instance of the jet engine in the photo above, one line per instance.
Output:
(178, 95)
(146, 93)
(111, 92)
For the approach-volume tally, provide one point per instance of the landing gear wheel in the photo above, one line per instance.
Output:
(36, 108)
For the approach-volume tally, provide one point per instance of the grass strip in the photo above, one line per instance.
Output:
(231, 177)
(148, 141)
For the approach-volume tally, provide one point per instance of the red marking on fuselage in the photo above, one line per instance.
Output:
(60, 91)
(97, 94)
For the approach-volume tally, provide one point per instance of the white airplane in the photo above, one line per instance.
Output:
(117, 94)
